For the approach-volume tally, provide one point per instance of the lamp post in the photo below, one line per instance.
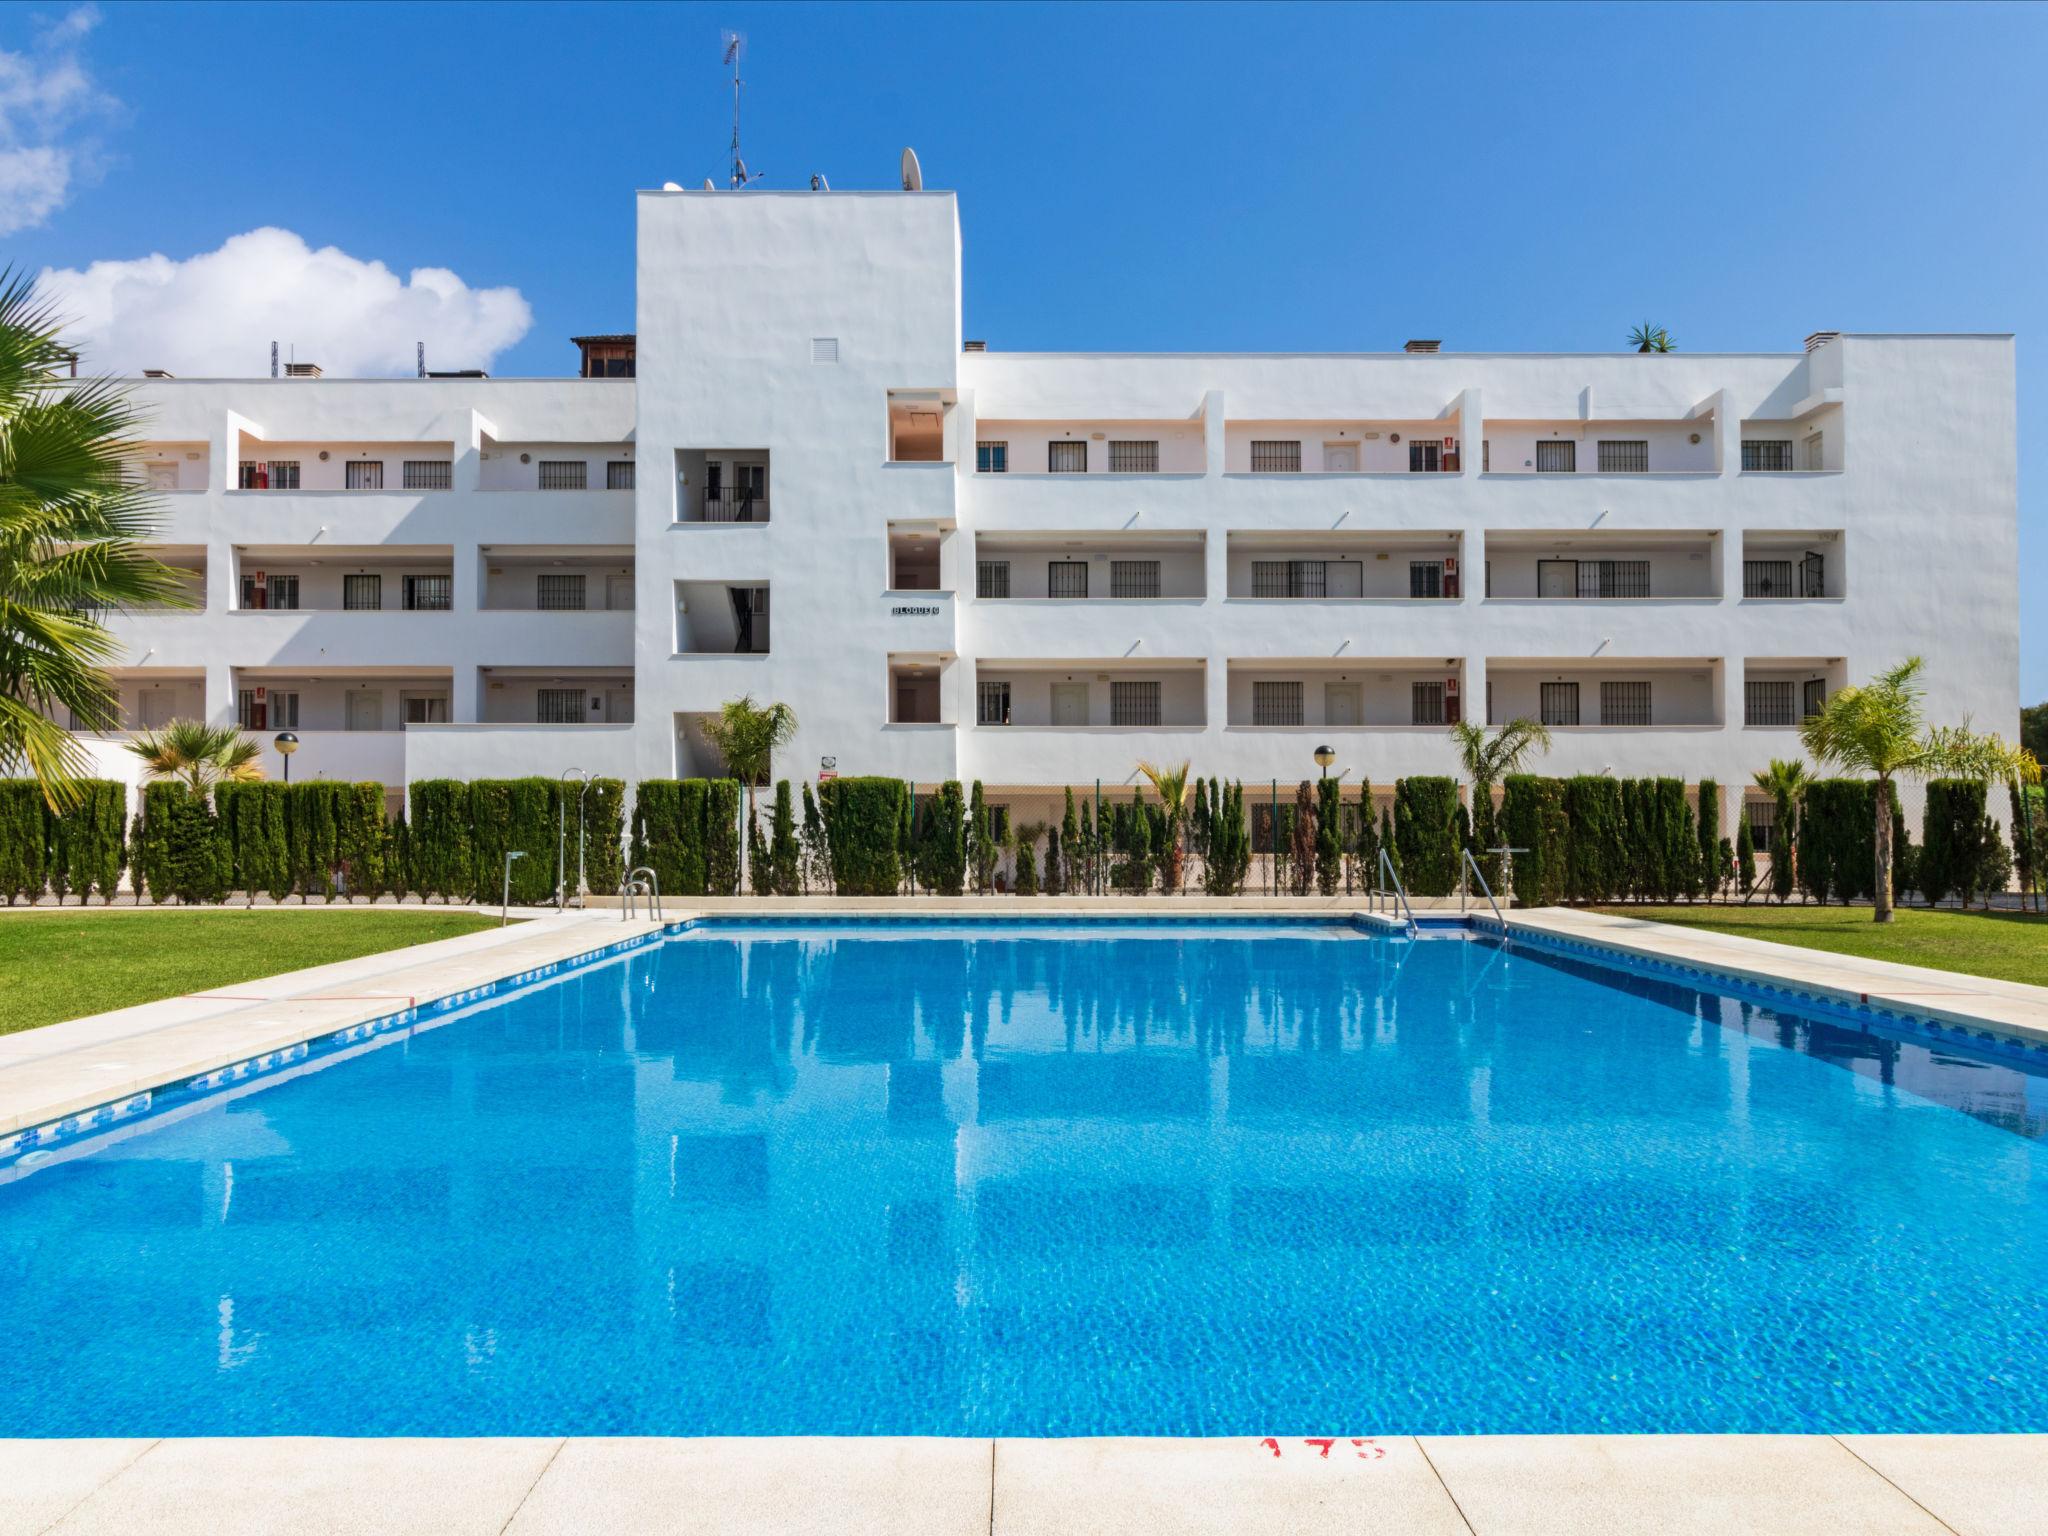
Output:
(505, 900)
(1324, 757)
(286, 744)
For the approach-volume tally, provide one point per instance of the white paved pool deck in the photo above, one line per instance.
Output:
(1479, 1485)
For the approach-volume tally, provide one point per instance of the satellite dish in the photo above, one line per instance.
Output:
(671, 186)
(913, 173)
(708, 187)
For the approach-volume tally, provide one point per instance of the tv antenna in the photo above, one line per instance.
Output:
(735, 45)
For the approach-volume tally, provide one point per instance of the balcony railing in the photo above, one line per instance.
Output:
(1804, 577)
(733, 504)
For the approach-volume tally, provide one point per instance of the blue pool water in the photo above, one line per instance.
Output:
(975, 1181)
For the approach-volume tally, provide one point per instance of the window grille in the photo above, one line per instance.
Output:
(362, 593)
(1134, 458)
(1425, 458)
(1134, 703)
(1426, 703)
(1289, 578)
(1066, 458)
(1767, 703)
(1276, 704)
(1425, 578)
(1766, 454)
(1762, 816)
(1625, 456)
(1558, 703)
(991, 578)
(1813, 697)
(279, 592)
(1272, 457)
(560, 593)
(558, 706)
(284, 474)
(363, 475)
(1767, 578)
(277, 475)
(620, 475)
(564, 475)
(277, 712)
(430, 594)
(1134, 578)
(1066, 578)
(426, 475)
(1625, 704)
(1557, 458)
(992, 458)
(1614, 578)
(992, 704)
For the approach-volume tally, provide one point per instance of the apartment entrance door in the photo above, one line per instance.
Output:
(618, 593)
(1069, 703)
(618, 704)
(1340, 458)
(1341, 705)
(365, 711)
(1557, 578)
(155, 707)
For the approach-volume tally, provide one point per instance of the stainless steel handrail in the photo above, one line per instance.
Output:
(651, 887)
(1387, 873)
(1478, 874)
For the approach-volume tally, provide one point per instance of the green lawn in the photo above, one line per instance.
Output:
(2011, 946)
(56, 966)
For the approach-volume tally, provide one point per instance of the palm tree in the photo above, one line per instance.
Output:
(1785, 782)
(747, 735)
(1651, 338)
(1489, 759)
(1880, 729)
(200, 754)
(1172, 784)
(72, 528)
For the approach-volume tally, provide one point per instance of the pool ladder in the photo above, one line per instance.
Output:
(633, 888)
(1390, 890)
(1473, 870)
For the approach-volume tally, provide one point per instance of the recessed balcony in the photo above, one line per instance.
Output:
(721, 485)
(1351, 693)
(273, 579)
(1606, 694)
(1292, 566)
(570, 579)
(1110, 694)
(1602, 565)
(720, 618)
(1082, 447)
(1793, 566)
(1077, 567)
(1420, 447)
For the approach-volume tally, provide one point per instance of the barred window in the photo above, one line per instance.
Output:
(429, 594)
(275, 592)
(1624, 456)
(1762, 816)
(560, 593)
(1066, 578)
(1425, 458)
(1273, 457)
(991, 578)
(1558, 703)
(1767, 703)
(277, 475)
(1767, 578)
(1276, 704)
(564, 475)
(1557, 458)
(363, 475)
(619, 475)
(992, 704)
(1134, 578)
(992, 458)
(1625, 704)
(1134, 703)
(426, 475)
(1425, 578)
(558, 706)
(1426, 703)
(1134, 458)
(363, 593)
(1289, 578)
(1066, 458)
(1614, 578)
(1767, 454)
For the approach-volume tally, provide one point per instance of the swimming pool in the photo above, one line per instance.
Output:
(776, 1178)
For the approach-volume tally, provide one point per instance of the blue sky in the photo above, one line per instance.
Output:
(1321, 178)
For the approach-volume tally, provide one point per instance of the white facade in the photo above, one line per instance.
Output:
(1038, 569)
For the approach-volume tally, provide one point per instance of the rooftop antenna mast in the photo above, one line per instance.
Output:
(735, 45)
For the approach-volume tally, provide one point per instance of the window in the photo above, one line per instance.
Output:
(363, 475)
(1276, 704)
(429, 594)
(558, 706)
(1425, 578)
(992, 458)
(363, 593)
(1762, 816)
(1134, 578)
(1485, 454)
(1813, 697)
(619, 475)
(1424, 458)
(559, 593)
(1271, 457)
(1134, 703)
(425, 708)
(992, 704)
(277, 475)
(1290, 578)
(1134, 458)
(1767, 703)
(1767, 455)
(1558, 703)
(1767, 578)
(1557, 458)
(1614, 578)
(1066, 578)
(991, 578)
(1066, 458)
(275, 712)
(426, 474)
(276, 592)
(1625, 704)
(564, 475)
(1627, 456)
(1426, 703)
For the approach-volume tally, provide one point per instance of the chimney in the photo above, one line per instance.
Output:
(1423, 346)
(1820, 339)
(973, 346)
(158, 373)
(302, 370)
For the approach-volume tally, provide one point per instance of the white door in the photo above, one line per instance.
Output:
(1557, 578)
(1069, 703)
(1344, 578)
(1340, 458)
(155, 707)
(366, 711)
(618, 593)
(1342, 704)
(618, 705)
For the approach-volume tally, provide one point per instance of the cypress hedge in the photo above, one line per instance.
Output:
(24, 839)
(443, 864)
(1745, 856)
(863, 817)
(942, 845)
(782, 846)
(1837, 841)
(2028, 804)
(1951, 842)
(668, 833)
(722, 799)
(604, 831)
(253, 819)
(1713, 865)
(185, 856)
(1597, 862)
(1425, 831)
(508, 815)
(88, 842)
(1329, 835)
(1533, 817)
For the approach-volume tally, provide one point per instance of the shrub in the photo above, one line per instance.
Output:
(1952, 843)
(1134, 842)
(1533, 817)
(1713, 862)
(443, 862)
(668, 833)
(1837, 839)
(252, 817)
(185, 854)
(862, 818)
(604, 831)
(981, 850)
(1367, 850)
(783, 856)
(1745, 855)
(1027, 871)
(88, 845)
(359, 838)
(1597, 863)
(312, 836)
(1055, 871)
(507, 816)
(942, 850)
(760, 878)
(2029, 821)
(24, 840)
(817, 862)
(397, 858)
(1301, 840)
(1486, 835)
(1229, 850)
(1425, 831)
(1678, 842)
(722, 837)
(1329, 835)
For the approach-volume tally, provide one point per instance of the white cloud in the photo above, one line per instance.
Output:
(48, 105)
(215, 314)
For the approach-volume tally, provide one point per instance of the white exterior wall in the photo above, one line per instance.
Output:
(735, 289)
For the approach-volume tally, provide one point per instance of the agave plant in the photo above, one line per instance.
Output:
(201, 755)
(1651, 338)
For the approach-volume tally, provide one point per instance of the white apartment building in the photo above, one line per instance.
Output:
(798, 481)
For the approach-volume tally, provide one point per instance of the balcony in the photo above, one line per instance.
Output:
(1792, 567)
(1618, 694)
(1090, 448)
(1117, 694)
(1299, 567)
(525, 579)
(1068, 568)
(574, 698)
(318, 468)
(721, 485)
(557, 468)
(716, 618)
(275, 579)
(1779, 693)
(1420, 447)
(169, 468)
(1602, 565)
(1352, 693)
(1616, 448)
(1809, 444)
(342, 699)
